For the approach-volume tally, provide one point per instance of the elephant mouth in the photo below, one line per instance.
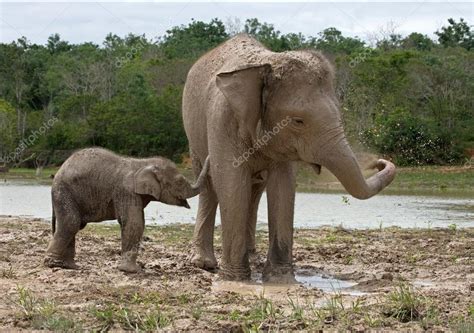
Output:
(316, 168)
(184, 203)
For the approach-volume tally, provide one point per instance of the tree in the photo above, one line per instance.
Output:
(8, 135)
(456, 34)
(417, 41)
(332, 41)
(56, 45)
(194, 39)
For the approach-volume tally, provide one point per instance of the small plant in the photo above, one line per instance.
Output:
(8, 273)
(43, 314)
(406, 305)
(263, 311)
(104, 316)
(129, 319)
(197, 312)
(371, 321)
(335, 305)
(235, 315)
(452, 227)
(27, 302)
(345, 200)
(348, 260)
(183, 299)
(357, 305)
(297, 312)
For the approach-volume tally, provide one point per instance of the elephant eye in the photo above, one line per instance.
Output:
(297, 122)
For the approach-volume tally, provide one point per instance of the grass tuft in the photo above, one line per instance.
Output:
(42, 314)
(405, 304)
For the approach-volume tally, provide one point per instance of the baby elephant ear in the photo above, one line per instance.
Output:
(244, 90)
(146, 182)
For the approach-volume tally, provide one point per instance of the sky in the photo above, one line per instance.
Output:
(88, 21)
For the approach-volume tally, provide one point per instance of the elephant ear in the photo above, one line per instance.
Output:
(145, 181)
(244, 90)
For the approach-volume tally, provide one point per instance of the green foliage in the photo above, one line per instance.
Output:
(332, 41)
(194, 39)
(409, 141)
(7, 128)
(456, 34)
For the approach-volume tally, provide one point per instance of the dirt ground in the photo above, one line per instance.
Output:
(416, 280)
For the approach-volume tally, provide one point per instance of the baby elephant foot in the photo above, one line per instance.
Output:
(54, 262)
(203, 260)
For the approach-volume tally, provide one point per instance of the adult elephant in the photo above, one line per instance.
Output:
(255, 113)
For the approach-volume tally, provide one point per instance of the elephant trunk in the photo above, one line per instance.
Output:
(342, 163)
(196, 187)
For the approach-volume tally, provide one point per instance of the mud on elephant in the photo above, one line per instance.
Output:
(234, 96)
(95, 185)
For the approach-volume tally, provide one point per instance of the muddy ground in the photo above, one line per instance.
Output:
(405, 279)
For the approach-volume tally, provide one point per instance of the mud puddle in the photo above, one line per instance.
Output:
(305, 280)
(329, 284)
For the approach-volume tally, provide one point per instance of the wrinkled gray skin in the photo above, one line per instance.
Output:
(95, 185)
(233, 95)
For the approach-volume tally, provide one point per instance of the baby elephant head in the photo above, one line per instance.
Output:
(165, 184)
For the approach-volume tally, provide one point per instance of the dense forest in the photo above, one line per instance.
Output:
(409, 98)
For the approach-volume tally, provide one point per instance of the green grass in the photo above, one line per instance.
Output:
(419, 180)
(42, 313)
(129, 319)
(405, 304)
(25, 173)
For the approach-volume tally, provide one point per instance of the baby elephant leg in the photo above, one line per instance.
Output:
(133, 224)
(62, 248)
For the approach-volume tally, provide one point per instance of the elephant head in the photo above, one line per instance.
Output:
(165, 184)
(289, 104)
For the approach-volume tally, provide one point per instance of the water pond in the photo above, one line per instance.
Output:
(311, 209)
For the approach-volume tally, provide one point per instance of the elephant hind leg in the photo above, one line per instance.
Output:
(62, 248)
(203, 238)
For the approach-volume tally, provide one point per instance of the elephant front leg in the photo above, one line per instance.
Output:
(281, 201)
(133, 225)
(234, 190)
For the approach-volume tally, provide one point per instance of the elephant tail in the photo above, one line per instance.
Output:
(53, 222)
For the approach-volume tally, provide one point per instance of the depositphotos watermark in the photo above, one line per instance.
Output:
(120, 61)
(261, 142)
(29, 141)
(360, 57)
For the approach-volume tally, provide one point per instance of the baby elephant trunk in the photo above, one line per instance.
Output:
(196, 187)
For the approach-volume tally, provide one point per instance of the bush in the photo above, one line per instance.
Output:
(410, 141)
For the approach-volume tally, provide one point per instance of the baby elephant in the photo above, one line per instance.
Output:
(95, 185)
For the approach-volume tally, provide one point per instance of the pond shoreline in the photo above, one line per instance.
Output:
(423, 180)
(434, 266)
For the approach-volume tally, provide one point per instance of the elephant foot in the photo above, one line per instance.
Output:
(129, 267)
(55, 262)
(234, 274)
(279, 275)
(204, 261)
